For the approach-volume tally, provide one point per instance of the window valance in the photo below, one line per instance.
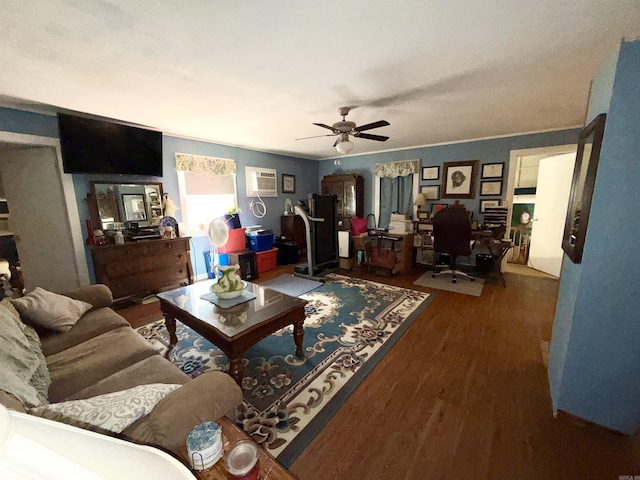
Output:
(397, 169)
(210, 166)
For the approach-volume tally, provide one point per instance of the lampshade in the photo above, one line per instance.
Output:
(344, 147)
(420, 200)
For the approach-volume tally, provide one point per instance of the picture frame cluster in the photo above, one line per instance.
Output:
(458, 180)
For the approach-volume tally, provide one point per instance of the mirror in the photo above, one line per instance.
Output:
(584, 178)
(127, 202)
(134, 206)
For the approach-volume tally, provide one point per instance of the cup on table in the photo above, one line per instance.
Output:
(242, 461)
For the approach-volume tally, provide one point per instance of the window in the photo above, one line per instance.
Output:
(207, 191)
(395, 187)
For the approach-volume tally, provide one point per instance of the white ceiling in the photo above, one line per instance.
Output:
(257, 74)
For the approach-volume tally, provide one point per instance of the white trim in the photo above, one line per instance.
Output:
(73, 216)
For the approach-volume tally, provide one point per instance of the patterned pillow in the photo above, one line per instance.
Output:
(50, 310)
(112, 411)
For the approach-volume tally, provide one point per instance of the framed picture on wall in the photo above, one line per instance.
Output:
(288, 183)
(431, 192)
(492, 170)
(459, 179)
(584, 179)
(488, 203)
(431, 173)
(493, 187)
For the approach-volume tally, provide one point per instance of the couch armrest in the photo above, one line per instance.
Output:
(10, 401)
(97, 295)
(207, 397)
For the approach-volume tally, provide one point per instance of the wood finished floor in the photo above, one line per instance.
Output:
(462, 395)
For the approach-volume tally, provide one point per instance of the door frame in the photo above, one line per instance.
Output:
(551, 151)
(79, 259)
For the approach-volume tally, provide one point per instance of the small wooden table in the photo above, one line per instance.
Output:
(270, 469)
(233, 330)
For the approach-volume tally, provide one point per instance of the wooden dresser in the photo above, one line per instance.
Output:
(143, 267)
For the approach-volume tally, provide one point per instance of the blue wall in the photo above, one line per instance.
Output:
(306, 172)
(19, 121)
(594, 366)
(487, 151)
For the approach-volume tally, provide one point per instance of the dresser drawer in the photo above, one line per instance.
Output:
(161, 247)
(112, 253)
(143, 267)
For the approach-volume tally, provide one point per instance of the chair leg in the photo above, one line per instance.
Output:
(453, 271)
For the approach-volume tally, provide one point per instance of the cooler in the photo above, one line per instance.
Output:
(261, 241)
(267, 260)
(236, 242)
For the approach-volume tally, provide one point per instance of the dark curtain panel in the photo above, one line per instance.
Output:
(396, 195)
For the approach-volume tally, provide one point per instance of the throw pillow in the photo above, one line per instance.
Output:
(50, 310)
(112, 411)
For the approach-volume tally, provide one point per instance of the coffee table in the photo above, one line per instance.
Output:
(233, 330)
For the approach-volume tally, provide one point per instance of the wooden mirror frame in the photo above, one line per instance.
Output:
(94, 211)
(584, 179)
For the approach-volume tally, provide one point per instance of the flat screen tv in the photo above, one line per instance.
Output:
(100, 146)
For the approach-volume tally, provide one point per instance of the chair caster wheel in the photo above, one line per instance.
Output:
(433, 275)
(454, 280)
(473, 279)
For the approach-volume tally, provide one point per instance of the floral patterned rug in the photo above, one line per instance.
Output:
(350, 325)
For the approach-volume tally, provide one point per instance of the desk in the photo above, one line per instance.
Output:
(497, 248)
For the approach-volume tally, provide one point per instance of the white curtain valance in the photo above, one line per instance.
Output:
(210, 166)
(397, 169)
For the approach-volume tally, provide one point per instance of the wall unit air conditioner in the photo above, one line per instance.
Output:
(261, 181)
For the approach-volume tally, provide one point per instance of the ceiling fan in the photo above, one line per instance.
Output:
(345, 128)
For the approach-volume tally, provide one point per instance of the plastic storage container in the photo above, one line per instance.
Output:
(261, 241)
(267, 260)
(236, 242)
(223, 260)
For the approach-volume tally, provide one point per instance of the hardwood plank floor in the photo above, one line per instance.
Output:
(463, 395)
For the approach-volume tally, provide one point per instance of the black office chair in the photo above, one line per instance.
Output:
(452, 235)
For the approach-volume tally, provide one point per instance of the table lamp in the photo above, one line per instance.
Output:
(420, 201)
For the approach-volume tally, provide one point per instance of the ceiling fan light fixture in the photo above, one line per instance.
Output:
(344, 147)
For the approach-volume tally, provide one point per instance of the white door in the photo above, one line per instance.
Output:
(39, 219)
(552, 198)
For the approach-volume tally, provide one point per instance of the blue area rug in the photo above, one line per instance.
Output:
(291, 285)
(350, 325)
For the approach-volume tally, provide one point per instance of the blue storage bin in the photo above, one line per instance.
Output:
(261, 242)
(223, 258)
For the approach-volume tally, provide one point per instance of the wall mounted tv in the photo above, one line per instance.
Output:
(100, 146)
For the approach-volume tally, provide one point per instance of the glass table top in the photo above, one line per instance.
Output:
(235, 320)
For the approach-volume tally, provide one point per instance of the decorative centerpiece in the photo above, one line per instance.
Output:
(228, 284)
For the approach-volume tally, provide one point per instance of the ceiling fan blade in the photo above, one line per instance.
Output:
(368, 136)
(317, 136)
(325, 126)
(369, 126)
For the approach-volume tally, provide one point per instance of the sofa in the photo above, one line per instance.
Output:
(83, 363)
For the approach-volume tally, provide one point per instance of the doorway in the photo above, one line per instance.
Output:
(537, 197)
(43, 213)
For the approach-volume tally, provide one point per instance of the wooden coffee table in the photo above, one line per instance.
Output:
(270, 469)
(235, 329)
